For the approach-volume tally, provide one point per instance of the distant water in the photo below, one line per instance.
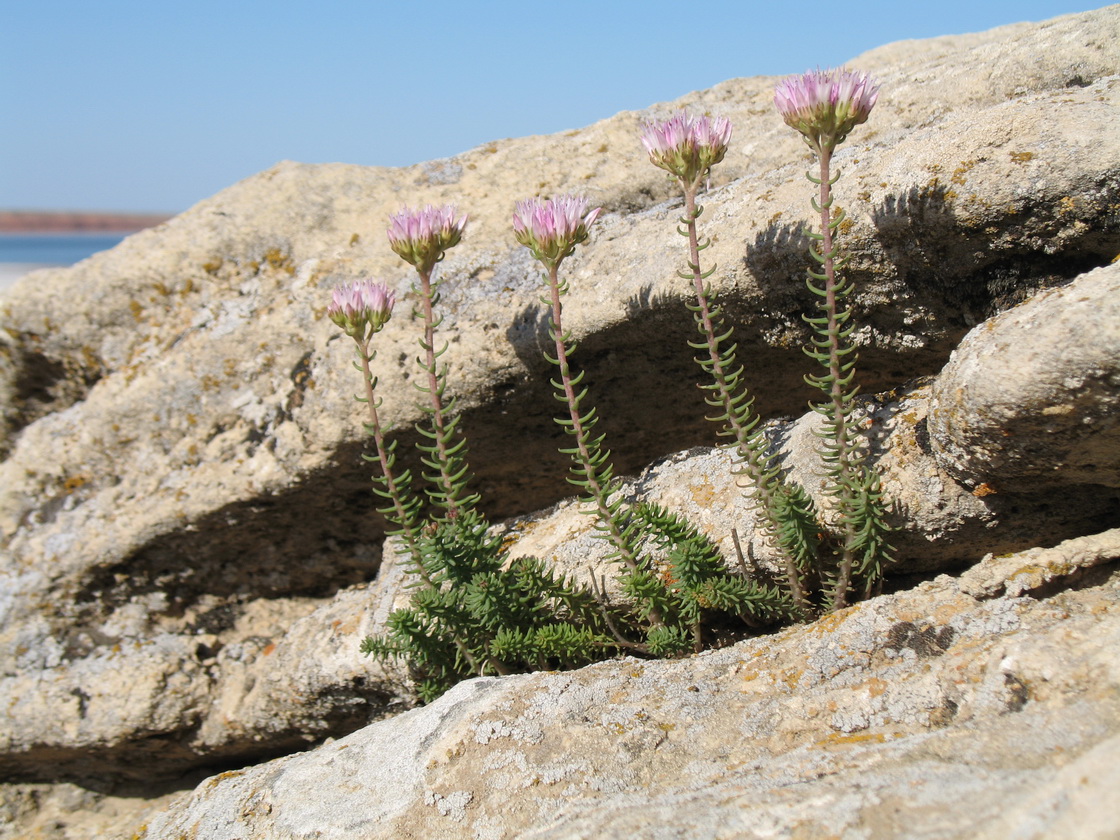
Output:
(53, 248)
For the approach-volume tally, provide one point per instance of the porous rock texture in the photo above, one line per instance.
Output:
(188, 553)
(972, 707)
(1034, 396)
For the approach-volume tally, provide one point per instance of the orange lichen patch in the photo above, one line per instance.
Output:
(791, 677)
(832, 621)
(1034, 575)
(750, 674)
(704, 495)
(842, 738)
(958, 174)
(763, 680)
(74, 482)
(277, 259)
(221, 777)
(346, 627)
(269, 649)
(876, 687)
(944, 613)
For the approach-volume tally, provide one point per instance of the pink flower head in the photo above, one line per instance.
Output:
(361, 308)
(824, 105)
(421, 237)
(552, 229)
(687, 146)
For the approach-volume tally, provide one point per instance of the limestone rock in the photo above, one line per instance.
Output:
(928, 713)
(186, 537)
(1032, 397)
(285, 675)
(938, 522)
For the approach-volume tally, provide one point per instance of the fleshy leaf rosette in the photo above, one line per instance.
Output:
(824, 105)
(361, 308)
(686, 145)
(421, 237)
(551, 229)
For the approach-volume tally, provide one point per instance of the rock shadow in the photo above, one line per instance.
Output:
(971, 272)
(40, 385)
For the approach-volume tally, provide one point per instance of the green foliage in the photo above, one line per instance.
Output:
(862, 550)
(477, 613)
(591, 468)
(400, 507)
(818, 571)
(679, 580)
(789, 516)
(474, 611)
(695, 583)
(445, 451)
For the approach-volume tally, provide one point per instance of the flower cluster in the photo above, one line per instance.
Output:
(824, 105)
(361, 308)
(552, 229)
(687, 146)
(420, 237)
(475, 610)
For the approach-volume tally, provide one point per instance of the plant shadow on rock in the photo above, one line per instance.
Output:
(641, 378)
(777, 259)
(970, 272)
(313, 538)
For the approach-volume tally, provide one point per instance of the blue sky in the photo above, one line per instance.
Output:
(147, 105)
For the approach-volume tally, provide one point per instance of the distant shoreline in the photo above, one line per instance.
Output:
(76, 221)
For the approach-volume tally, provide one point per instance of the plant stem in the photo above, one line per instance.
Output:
(402, 515)
(838, 398)
(449, 481)
(587, 452)
(720, 366)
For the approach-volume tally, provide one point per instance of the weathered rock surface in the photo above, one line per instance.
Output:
(951, 710)
(1033, 396)
(939, 523)
(186, 530)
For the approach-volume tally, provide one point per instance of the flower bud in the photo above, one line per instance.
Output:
(687, 146)
(361, 308)
(552, 229)
(824, 105)
(420, 237)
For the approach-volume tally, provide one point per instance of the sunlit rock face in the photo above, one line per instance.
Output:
(188, 550)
